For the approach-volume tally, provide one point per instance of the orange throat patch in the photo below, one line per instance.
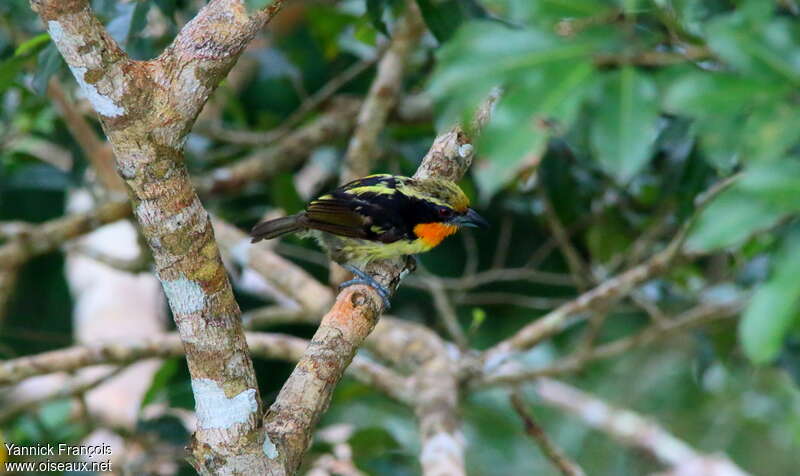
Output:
(433, 233)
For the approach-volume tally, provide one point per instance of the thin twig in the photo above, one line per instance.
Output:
(446, 312)
(603, 294)
(696, 317)
(322, 95)
(580, 271)
(550, 450)
(75, 386)
(503, 242)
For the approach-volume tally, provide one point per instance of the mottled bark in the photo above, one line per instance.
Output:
(146, 109)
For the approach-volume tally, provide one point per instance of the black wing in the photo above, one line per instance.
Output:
(359, 210)
(338, 216)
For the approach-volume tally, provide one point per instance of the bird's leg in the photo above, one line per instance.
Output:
(363, 278)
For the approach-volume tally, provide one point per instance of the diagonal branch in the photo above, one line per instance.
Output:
(607, 291)
(382, 95)
(307, 392)
(635, 430)
(548, 446)
(50, 235)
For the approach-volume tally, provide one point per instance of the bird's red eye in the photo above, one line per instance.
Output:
(445, 212)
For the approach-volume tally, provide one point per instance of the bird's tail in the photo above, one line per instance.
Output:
(266, 230)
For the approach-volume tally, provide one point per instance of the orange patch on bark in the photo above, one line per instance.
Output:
(433, 233)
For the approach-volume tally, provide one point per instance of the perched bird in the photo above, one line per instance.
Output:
(377, 217)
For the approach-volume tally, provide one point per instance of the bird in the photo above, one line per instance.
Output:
(378, 217)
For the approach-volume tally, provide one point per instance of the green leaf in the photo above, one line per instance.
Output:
(737, 118)
(774, 306)
(729, 219)
(771, 130)
(161, 379)
(375, 9)
(11, 67)
(625, 127)
(545, 80)
(444, 17)
(765, 193)
(525, 119)
(48, 63)
(478, 318)
(550, 11)
(33, 45)
(776, 183)
(485, 54)
(756, 47)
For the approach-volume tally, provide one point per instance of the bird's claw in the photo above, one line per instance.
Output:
(363, 278)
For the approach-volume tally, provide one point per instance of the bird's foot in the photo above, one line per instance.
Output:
(363, 278)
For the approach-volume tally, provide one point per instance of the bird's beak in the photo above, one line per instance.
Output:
(472, 219)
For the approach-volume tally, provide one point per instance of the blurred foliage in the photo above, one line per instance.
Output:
(621, 112)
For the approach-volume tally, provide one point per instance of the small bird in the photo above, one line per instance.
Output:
(376, 217)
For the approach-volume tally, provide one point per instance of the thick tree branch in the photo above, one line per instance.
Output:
(205, 50)
(146, 109)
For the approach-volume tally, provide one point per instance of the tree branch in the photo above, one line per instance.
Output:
(436, 389)
(549, 448)
(146, 109)
(606, 292)
(382, 95)
(338, 121)
(556, 320)
(46, 237)
(307, 392)
(634, 430)
(123, 352)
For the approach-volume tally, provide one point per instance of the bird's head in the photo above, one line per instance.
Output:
(447, 209)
